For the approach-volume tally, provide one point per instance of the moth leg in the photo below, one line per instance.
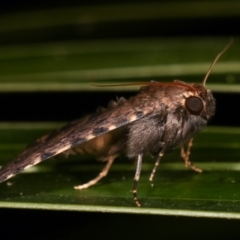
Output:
(185, 155)
(102, 174)
(136, 179)
(156, 165)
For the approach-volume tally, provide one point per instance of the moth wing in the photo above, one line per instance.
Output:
(78, 132)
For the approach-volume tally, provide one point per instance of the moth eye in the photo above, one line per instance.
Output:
(194, 105)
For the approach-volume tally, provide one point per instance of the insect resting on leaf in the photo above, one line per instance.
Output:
(160, 118)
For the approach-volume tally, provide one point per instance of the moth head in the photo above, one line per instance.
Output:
(200, 103)
(202, 100)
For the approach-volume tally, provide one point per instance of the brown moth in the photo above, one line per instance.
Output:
(160, 118)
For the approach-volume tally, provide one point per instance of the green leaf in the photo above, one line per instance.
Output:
(174, 191)
(72, 66)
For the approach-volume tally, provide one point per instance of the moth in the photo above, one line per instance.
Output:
(161, 117)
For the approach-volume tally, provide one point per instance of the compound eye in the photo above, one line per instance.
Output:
(194, 105)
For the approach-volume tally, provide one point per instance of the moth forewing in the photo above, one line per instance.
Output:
(78, 132)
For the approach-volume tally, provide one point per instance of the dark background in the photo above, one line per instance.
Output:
(48, 106)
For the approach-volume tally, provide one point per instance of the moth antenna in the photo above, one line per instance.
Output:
(215, 60)
(120, 84)
(175, 83)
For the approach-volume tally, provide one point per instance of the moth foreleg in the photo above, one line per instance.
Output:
(185, 155)
(136, 179)
(102, 174)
